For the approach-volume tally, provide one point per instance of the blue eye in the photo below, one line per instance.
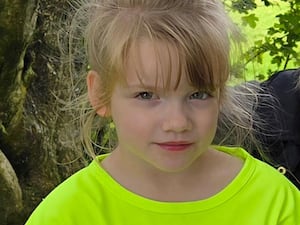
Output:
(145, 95)
(200, 95)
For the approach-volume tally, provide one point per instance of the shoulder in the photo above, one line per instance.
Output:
(258, 172)
(264, 188)
(284, 195)
(72, 199)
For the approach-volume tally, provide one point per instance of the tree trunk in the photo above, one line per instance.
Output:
(34, 156)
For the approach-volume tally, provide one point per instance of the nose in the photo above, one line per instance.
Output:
(176, 119)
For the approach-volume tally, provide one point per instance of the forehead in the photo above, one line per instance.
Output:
(153, 62)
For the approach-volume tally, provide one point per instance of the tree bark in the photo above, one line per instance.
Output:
(34, 154)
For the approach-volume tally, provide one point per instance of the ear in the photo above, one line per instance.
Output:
(94, 89)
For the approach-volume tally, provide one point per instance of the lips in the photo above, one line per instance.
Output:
(175, 146)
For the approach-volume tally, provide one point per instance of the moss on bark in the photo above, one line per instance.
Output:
(31, 124)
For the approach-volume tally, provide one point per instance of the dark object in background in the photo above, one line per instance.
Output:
(280, 132)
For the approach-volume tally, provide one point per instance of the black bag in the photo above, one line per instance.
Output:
(280, 132)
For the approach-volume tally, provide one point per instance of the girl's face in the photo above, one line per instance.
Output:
(164, 128)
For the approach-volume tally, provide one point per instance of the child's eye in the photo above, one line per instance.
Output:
(201, 95)
(146, 95)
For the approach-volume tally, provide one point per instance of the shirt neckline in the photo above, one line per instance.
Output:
(123, 194)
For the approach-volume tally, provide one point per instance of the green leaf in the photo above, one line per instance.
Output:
(250, 19)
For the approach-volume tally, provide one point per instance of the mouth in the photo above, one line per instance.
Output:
(175, 146)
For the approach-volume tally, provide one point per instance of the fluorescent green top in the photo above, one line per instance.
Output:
(259, 195)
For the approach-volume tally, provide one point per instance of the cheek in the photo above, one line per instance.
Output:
(214, 116)
(208, 120)
(214, 122)
(132, 125)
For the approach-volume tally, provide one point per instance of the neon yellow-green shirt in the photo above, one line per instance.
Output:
(259, 195)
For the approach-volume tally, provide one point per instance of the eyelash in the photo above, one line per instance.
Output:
(203, 95)
(146, 95)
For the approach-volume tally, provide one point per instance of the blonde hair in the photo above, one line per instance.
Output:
(239, 120)
(199, 30)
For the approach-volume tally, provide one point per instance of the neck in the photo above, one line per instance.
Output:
(209, 174)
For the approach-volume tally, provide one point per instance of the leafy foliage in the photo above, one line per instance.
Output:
(282, 41)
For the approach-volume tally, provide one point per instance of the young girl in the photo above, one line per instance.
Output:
(158, 70)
